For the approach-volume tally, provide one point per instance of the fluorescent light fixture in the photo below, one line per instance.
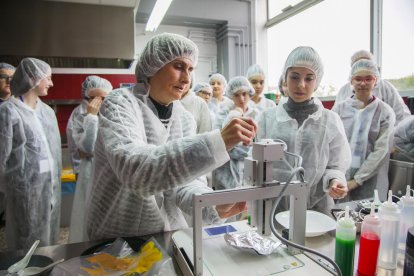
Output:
(157, 14)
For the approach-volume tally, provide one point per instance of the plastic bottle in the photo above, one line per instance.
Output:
(407, 216)
(369, 243)
(390, 217)
(345, 244)
(409, 253)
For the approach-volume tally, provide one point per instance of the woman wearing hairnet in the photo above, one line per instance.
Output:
(256, 76)
(369, 126)
(310, 130)
(404, 140)
(81, 131)
(147, 156)
(383, 90)
(230, 175)
(218, 101)
(30, 156)
(198, 108)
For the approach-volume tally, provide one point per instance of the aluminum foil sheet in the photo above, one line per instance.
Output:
(252, 241)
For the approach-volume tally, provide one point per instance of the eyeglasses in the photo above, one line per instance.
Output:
(5, 77)
(367, 79)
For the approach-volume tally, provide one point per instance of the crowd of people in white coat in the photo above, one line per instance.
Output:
(140, 155)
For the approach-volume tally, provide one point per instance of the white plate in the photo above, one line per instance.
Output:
(316, 223)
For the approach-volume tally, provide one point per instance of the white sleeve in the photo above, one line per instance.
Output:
(136, 162)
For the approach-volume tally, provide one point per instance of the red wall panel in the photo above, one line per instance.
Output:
(67, 87)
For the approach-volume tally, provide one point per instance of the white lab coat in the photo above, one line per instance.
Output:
(231, 174)
(404, 139)
(84, 129)
(322, 143)
(73, 149)
(144, 174)
(199, 109)
(30, 167)
(264, 104)
(370, 166)
(384, 91)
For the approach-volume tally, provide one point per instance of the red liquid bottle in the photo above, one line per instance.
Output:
(369, 244)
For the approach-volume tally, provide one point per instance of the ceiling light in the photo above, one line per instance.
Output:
(157, 14)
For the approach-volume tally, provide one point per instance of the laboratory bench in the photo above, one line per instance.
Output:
(324, 243)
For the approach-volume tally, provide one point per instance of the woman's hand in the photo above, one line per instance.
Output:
(337, 190)
(352, 185)
(239, 130)
(229, 210)
(94, 106)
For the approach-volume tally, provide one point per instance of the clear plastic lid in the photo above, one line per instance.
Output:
(346, 221)
(372, 218)
(389, 206)
(407, 199)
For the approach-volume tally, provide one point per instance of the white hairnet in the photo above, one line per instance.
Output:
(255, 70)
(239, 83)
(361, 54)
(163, 49)
(305, 57)
(218, 77)
(364, 65)
(202, 86)
(92, 82)
(6, 66)
(28, 75)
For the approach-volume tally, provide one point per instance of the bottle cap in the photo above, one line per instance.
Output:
(407, 200)
(388, 205)
(346, 221)
(372, 218)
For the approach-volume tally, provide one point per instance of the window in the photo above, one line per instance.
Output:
(335, 29)
(398, 43)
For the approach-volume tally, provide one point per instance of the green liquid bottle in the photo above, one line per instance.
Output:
(345, 244)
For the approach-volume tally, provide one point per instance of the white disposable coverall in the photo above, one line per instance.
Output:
(264, 104)
(371, 172)
(144, 173)
(320, 140)
(404, 138)
(230, 175)
(30, 156)
(199, 109)
(84, 129)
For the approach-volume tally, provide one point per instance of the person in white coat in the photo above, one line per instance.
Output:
(369, 126)
(199, 109)
(30, 159)
(219, 100)
(148, 158)
(230, 175)
(404, 140)
(256, 76)
(309, 130)
(383, 90)
(83, 128)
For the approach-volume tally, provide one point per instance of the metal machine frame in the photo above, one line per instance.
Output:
(258, 171)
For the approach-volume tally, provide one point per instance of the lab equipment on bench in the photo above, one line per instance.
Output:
(203, 251)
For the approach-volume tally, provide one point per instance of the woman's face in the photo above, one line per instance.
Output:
(205, 95)
(300, 83)
(241, 98)
(42, 88)
(218, 88)
(363, 85)
(257, 83)
(171, 81)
